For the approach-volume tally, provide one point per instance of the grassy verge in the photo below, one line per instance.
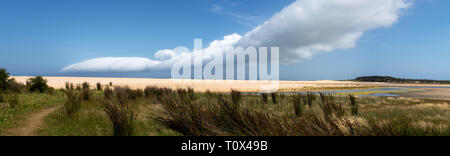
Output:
(28, 103)
(92, 120)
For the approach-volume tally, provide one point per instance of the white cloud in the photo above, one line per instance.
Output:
(113, 64)
(247, 20)
(307, 27)
(301, 30)
(166, 58)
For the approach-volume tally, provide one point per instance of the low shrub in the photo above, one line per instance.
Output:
(15, 87)
(38, 84)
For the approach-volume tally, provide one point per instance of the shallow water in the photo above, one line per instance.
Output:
(388, 91)
(363, 92)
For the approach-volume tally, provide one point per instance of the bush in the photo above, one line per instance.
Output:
(73, 104)
(38, 84)
(4, 76)
(14, 86)
(121, 113)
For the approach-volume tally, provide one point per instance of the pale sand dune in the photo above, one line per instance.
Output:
(204, 85)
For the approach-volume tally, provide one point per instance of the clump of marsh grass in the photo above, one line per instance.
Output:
(78, 87)
(13, 101)
(157, 93)
(108, 93)
(220, 116)
(264, 97)
(86, 94)
(99, 86)
(235, 96)
(51, 91)
(331, 106)
(123, 93)
(73, 103)
(67, 85)
(298, 105)
(121, 112)
(354, 105)
(187, 95)
(86, 85)
(274, 97)
(215, 117)
(311, 98)
(134, 94)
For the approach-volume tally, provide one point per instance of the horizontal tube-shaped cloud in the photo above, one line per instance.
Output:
(301, 30)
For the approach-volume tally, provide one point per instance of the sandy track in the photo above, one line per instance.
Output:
(32, 123)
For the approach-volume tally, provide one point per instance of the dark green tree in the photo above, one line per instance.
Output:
(38, 84)
(4, 76)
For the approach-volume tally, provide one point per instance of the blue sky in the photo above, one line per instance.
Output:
(42, 37)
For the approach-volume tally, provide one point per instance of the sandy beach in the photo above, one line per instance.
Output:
(203, 85)
(430, 93)
(244, 86)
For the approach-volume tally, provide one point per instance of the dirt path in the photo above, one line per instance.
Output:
(32, 123)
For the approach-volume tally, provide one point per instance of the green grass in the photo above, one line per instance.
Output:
(333, 116)
(92, 120)
(28, 103)
(208, 113)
